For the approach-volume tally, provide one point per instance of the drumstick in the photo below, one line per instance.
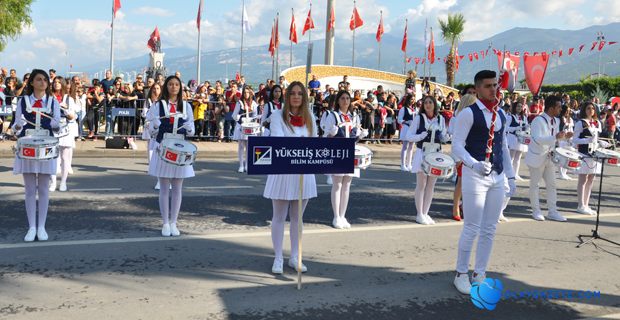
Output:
(168, 116)
(43, 114)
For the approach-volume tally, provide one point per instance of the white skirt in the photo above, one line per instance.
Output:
(286, 187)
(21, 166)
(355, 174)
(589, 166)
(152, 144)
(416, 163)
(145, 133)
(237, 133)
(161, 169)
(513, 143)
(403, 132)
(67, 141)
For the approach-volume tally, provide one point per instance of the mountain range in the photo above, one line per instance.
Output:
(223, 64)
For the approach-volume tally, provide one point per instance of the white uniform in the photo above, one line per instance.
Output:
(146, 132)
(513, 142)
(237, 135)
(352, 129)
(590, 165)
(286, 186)
(538, 159)
(21, 166)
(72, 107)
(405, 124)
(158, 167)
(411, 136)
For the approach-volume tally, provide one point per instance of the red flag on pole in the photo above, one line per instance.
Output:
(593, 45)
(476, 55)
(408, 60)
(570, 51)
(611, 42)
(403, 46)
(535, 68)
(272, 48)
(277, 34)
(153, 42)
(601, 45)
(417, 60)
(116, 6)
(198, 17)
(482, 53)
(431, 49)
(309, 25)
(356, 20)
(581, 47)
(560, 53)
(331, 24)
(380, 30)
(456, 59)
(293, 30)
(471, 57)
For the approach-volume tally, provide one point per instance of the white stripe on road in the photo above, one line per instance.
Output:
(220, 236)
(221, 187)
(95, 189)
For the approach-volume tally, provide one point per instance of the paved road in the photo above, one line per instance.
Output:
(107, 261)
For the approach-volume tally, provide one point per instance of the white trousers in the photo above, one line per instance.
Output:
(483, 200)
(547, 173)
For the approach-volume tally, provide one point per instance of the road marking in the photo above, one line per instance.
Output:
(237, 235)
(95, 189)
(221, 187)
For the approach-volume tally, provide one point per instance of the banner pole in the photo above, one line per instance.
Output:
(299, 231)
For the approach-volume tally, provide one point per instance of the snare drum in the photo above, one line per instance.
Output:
(611, 157)
(524, 137)
(437, 164)
(37, 148)
(566, 158)
(177, 152)
(250, 129)
(363, 157)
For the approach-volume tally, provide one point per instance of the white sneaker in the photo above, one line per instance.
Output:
(537, 215)
(502, 217)
(292, 262)
(53, 183)
(32, 232)
(157, 187)
(336, 223)
(41, 234)
(556, 216)
(240, 169)
(479, 278)
(345, 223)
(63, 187)
(518, 178)
(422, 220)
(133, 145)
(592, 212)
(462, 284)
(70, 170)
(174, 231)
(583, 210)
(429, 219)
(165, 230)
(403, 168)
(278, 266)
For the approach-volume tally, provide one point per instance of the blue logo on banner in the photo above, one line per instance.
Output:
(486, 295)
(296, 155)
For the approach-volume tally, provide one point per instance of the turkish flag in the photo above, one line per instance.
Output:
(417, 60)
(593, 45)
(431, 49)
(570, 51)
(116, 6)
(482, 53)
(28, 152)
(356, 20)
(276, 33)
(581, 47)
(272, 48)
(293, 30)
(471, 57)
(535, 68)
(171, 156)
(435, 172)
(309, 25)
(403, 46)
(601, 45)
(612, 161)
(476, 55)
(331, 23)
(408, 60)
(198, 17)
(153, 42)
(560, 53)
(380, 30)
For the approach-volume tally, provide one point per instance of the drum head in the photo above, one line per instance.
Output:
(361, 150)
(439, 159)
(567, 153)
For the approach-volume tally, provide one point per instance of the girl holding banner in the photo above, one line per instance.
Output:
(161, 120)
(342, 123)
(36, 173)
(245, 112)
(428, 120)
(294, 120)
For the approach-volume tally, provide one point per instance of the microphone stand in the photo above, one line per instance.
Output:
(595, 235)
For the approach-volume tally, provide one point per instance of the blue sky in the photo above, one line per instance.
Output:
(77, 32)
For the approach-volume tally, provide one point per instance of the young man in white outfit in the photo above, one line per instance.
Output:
(485, 170)
(545, 130)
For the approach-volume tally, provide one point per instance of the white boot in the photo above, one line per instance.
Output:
(53, 183)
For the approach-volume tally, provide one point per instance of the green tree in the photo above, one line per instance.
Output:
(14, 16)
(452, 32)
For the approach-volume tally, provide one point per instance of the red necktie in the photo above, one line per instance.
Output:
(553, 126)
(347, 119)
(38, 104)
(297, 121)
(593, 123)
(173, 109)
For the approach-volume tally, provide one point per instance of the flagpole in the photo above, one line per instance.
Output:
(425, 46)
(198, 58)
(490, 46)
(309, 42)
(112, 42)
(291, 56)
(241, 60)
(379, 58)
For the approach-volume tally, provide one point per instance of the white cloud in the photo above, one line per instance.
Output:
(54, 44)
(26, 55)
(153, 11)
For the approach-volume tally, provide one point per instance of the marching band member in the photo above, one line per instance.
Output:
(154, 94)
(326, 113)
(36, 172)
(545, 133)
(587, 131)
(343, 124)
(566, 125)
(517, 122)
(170, 104)
(58, 88)
(69, 106)
(426, 121)
(457, 214)
(405, 117)
(479, 141)
(294, 120)
(245, 104)
(276, 99)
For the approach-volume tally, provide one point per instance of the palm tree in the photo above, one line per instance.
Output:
(452, 32)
